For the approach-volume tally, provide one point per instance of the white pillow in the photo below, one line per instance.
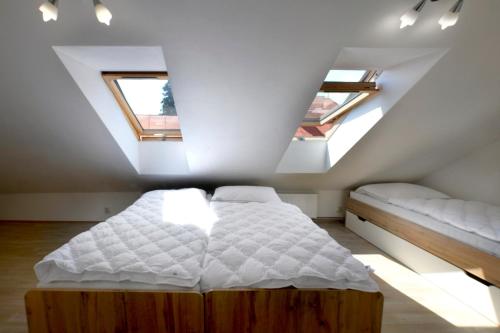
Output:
(246, 194)
(384, 192)
(192, 190)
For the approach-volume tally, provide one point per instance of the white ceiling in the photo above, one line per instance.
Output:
(243, 75)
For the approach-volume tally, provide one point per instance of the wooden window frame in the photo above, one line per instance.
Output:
(366, 88)
(141, 133)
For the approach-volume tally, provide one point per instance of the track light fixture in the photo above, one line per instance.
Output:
(449, 19)
(102, 13)
(410, 17)
(49, 11)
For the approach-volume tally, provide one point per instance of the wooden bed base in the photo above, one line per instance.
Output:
(86, 311)
(466, 257)
(252, 310)
(293, 310)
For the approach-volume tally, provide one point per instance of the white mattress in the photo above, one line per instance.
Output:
(274, 245)
(473, 239)
(111, 285)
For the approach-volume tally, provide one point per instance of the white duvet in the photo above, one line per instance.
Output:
(273, 245)
(160, 239)
(472, 216)
(168, 238)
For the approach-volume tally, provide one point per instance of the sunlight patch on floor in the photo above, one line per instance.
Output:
(424, 292)
(468, 291)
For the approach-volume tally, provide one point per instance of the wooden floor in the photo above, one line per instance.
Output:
(22, 244)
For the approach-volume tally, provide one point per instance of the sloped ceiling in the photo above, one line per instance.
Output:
(237, 68)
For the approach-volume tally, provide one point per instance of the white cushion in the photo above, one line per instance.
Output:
(246, 194)
(384, 192)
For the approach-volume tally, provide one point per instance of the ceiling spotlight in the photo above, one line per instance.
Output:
(102, 13)
(410, 17)
(49, 10)
(450, 18)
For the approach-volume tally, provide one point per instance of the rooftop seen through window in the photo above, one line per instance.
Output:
(340, 92)
(148, 103)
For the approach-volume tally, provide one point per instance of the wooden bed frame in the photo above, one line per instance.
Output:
(293, 310)
(85, 311)
(247, 310)
(470, 259)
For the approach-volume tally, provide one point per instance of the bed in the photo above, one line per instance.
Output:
(255, 264)
(451, 242)
(269, 268)
(136, 272)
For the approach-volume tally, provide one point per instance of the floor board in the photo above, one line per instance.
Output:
(22, 244)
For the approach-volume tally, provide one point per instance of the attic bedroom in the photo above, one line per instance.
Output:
(250, 166)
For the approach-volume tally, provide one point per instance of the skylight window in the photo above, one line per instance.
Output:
(341, 75)
(340, 92)
(147, 101)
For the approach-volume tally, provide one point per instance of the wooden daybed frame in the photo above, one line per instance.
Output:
(219, 311)
(470, 259)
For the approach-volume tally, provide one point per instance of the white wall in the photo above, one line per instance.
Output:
(331, 203)
(307, 202)
(304, 157)
(101, 205)
(318, 204)
(473, 177)
(64, 206)
(163, 157)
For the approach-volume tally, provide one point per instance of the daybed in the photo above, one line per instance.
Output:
(255, 264)
(433, 233)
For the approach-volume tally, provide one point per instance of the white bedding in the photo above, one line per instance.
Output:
(472, 216)
(143, 244)
(113, 285)
(485, 244)
(274, 245)
(160, 242)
